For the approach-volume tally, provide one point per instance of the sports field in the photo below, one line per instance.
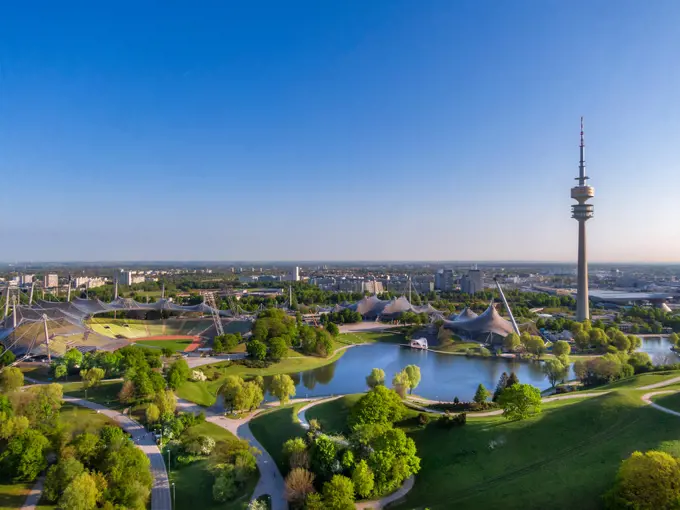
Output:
(176, 344)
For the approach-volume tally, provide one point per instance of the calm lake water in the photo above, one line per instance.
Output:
(443, 376)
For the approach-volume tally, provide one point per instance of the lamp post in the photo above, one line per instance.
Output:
(173, 494)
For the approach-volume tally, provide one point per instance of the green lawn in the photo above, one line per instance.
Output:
(200, 392)
(13, 495)
(193, 483)
(566, 457)
(176, 345)
(641, 380)
(37, 371)
(458, 347)
(368, 337)
(105, 394)
(333, 415)
(204, 393)
(80, 419)
(671, 401)
(273, 428)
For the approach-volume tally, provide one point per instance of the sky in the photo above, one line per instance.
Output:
(337, 130)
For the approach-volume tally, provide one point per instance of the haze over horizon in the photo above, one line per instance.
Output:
(384, 130)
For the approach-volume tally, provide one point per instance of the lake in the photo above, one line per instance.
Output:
(443, 376)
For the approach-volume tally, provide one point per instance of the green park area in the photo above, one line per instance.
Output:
(194, 479)
(565, 457)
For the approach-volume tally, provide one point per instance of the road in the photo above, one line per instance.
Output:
(160, 492)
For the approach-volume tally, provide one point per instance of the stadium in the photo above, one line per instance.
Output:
(51, 328)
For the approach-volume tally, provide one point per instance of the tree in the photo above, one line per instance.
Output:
(60, 371)
(646, 481)
(520, 401)
(277, 348)
(401, 383)
(86, 447)
(323, 455)
(91, 377)
(511, 342)
(127, 393)
(512, 380)
(166, 401)
(375, 378)
(582, 340)
(338, 494)
(24, 457)
(536, 346)
(674, 339)
(635, 343)
(152, 414)
(229, 390)
(620, 341)
(413, 374)
(11, 379)
(178, 373)
(333, 328)
(73, 359)
(561, 348)
(555, 371)
(363, 479)
(295, 450)
(481, 395)
(248, 396)
(257, 350)
(314, 502)
(299, 483)
(640, 361)
(59, 476)
(167, 352)
(581, 369)
(502, 383)
(380, 405)
(81, 494)
(282, 387)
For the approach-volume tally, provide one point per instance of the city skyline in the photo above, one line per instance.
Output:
(390, 131)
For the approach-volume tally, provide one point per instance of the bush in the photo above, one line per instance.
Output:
(647, 480)
(423, 419)
(452, 420)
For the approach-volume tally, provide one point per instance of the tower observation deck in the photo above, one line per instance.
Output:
(582, 212)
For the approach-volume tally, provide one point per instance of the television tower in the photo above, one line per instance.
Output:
(582, 212)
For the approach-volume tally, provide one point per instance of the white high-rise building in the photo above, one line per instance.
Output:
(472, 282)
(51, 281)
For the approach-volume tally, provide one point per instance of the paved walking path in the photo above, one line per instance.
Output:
(34, 494)
(160, 492)
(301, 413)
(647, 398)
(661, 384)
(497, 412)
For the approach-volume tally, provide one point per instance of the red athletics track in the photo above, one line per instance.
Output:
(195, 344)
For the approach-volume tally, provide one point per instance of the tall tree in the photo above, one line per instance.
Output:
(375, 378)
(282, 387)
(413, 373)
(520, 401)
(11, 379)
(481, 395)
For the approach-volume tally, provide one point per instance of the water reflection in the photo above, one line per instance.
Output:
(659, 349)
(443, 376)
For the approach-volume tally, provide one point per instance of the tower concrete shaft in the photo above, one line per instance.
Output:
(582, 212)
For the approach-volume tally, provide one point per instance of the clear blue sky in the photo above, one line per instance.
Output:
(337, 130)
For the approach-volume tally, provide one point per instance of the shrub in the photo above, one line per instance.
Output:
(197, 375)
(423, 419)
(452, 420)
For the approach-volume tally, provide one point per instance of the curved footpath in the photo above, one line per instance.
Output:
(565, 396)
(647, 399)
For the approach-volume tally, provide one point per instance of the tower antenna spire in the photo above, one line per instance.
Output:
(582, 212)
